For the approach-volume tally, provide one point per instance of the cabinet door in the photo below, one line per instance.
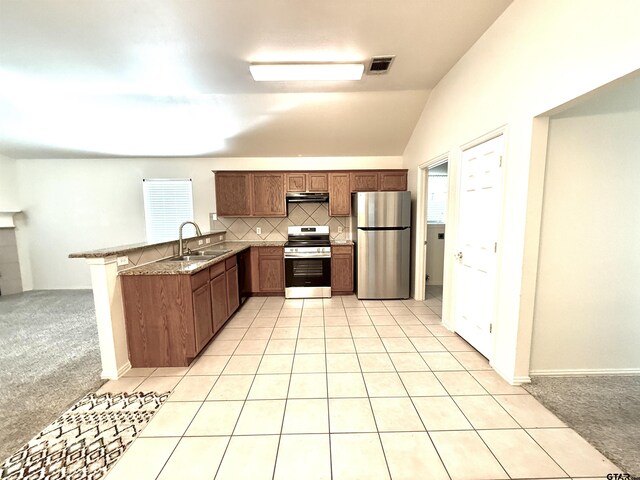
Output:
(296, 182)
(233, 297)
(233, 194)
(339, 195)
(342, 273)
(271, 272)
(202, 316)
(219, 301)
(318, 182)
(393, 181)
(268, 195)
(364, 181)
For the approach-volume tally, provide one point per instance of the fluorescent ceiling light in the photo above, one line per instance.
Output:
(280, 72)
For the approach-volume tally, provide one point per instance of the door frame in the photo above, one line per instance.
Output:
(421, 226)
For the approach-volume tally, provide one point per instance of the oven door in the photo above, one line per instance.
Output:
(307, 277)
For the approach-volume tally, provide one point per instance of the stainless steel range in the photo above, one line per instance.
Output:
(307, 262)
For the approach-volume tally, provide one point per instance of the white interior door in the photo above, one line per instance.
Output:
(479, 220)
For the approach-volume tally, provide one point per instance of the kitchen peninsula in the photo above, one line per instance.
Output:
(154, 311)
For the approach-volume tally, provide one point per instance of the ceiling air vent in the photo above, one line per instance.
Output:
(380, 65)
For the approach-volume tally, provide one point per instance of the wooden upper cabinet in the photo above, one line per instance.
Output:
(318, 182)
(296, 182)
(307, 182)
(393, 181)
(233, 194)
(339, 195)
(364, 181)
(268, 195)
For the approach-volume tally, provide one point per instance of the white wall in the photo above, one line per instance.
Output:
(587, 301)
(8, 185)
(537, 55)
(76, 205)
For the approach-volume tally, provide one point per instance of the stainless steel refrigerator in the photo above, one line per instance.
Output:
(381, 230)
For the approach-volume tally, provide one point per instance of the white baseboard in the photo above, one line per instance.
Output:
(522, 379)
(579, 372)
(121, 371)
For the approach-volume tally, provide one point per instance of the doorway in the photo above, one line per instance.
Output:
(436, 212)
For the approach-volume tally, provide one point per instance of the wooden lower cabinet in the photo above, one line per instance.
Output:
(219, 309)
(342, 269)
(171, 318)
(233, 295)
(202, 318)
(267, 270)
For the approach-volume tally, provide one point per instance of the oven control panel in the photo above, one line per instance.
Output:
(307, 251)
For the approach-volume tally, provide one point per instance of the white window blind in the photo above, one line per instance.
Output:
(437, 198)
(167, 203)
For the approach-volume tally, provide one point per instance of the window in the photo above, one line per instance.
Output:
(437, 201)
(167, 203)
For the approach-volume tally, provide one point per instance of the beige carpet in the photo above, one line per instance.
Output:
(49, 358)
(604, 410)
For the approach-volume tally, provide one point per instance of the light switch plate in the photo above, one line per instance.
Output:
(219, 237)
(258, 230)
(340, 229)
(122, 261)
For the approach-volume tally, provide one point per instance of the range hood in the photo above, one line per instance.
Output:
(304, 197)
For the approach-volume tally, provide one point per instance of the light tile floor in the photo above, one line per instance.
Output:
(346, 389)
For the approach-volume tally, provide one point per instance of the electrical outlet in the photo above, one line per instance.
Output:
(208, 240)
(258, 230)
(340, 229)
(122, 261)
(200, 242)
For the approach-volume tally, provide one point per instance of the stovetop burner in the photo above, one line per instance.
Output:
(317, 236)
(308, 243)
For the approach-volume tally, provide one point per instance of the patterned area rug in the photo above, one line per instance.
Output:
(86, 440)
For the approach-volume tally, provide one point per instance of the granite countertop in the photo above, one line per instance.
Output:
(165, 267)
(124, 249)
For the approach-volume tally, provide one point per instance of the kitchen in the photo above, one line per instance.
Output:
(74, 160)
(252, 267)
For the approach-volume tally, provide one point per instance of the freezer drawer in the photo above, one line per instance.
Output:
(383, 268)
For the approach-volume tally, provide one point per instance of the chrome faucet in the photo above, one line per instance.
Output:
(198, 233)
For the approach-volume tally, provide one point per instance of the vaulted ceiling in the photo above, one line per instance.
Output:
(81, 78)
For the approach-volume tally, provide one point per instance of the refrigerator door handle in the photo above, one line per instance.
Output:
(367, 229)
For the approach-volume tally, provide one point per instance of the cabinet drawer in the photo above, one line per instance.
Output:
(216, 269)
(341, 250)
(199, 279)
(271, 251)
(231, 262)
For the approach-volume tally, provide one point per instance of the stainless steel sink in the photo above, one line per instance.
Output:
(199, 256)
(193, 258)
(215, 253)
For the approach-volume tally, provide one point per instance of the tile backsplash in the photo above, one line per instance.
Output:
(275, 228)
